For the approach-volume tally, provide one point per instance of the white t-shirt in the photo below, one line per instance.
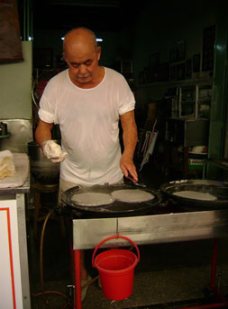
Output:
(88, 121)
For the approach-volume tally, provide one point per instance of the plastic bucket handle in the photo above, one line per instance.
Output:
(114, 237)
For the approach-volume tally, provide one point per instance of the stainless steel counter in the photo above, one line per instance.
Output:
(156, 228)
(16, 190)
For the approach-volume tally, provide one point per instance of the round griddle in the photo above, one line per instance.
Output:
(116, 207)
(216, 188)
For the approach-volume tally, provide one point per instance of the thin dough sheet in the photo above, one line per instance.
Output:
(196, 195)
(132, 196)
(92, 198)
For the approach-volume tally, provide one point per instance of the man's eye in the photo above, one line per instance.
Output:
(88, 62)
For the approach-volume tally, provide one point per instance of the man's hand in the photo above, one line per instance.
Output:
(128, 168)
(53, 151)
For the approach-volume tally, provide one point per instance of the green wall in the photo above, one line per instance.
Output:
(16, 87)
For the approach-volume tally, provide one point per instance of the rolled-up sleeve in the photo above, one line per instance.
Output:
(126, 98)
(127, 107)
(47, 106)
(46, 116)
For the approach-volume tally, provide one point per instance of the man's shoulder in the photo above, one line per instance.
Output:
(59, 77)
(55, 84)
(113, 74)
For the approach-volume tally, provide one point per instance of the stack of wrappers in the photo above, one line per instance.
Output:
(7, 166)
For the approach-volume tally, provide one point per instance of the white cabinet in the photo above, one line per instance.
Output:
(14, 275)
(204, 96)
(10, 274)
(14, 278)
(193, 101)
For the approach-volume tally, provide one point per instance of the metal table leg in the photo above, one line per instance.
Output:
(221, 302)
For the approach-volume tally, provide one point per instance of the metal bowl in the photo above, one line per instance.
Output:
(42, 169)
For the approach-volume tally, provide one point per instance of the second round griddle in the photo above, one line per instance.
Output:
(208, 193)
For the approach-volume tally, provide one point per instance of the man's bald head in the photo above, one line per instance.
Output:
(81, 53)
(79, 38)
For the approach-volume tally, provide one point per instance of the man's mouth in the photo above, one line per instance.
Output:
(83, 77)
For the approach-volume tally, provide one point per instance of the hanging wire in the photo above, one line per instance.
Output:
(46, 292)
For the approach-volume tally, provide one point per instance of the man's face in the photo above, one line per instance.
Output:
(83, 66)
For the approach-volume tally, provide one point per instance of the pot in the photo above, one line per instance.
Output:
(42, 169)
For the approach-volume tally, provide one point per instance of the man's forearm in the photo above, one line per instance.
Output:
(130, 138)
(43, 132)
(130, 134)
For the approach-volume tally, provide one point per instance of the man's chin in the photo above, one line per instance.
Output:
(84, 80)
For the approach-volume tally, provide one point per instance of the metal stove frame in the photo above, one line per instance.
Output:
(149, 229)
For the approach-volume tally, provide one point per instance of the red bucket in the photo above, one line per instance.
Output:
(116, 269)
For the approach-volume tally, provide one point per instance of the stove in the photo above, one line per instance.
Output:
(166, 220)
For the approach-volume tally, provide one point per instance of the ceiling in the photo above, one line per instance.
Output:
(99, 15)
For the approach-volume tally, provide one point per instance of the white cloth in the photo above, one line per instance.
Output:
(53, 151)
(88, 121)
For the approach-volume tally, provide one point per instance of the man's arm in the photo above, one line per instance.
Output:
(43, 132)
(130, 139)
(50, 148)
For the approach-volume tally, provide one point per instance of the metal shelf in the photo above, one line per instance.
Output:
(178, 83)
(5, 136)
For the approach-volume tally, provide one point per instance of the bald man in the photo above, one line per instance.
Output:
(87, 101)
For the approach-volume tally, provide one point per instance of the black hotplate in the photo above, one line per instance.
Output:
(116, 208)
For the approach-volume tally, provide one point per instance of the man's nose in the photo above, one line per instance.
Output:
(82, 69)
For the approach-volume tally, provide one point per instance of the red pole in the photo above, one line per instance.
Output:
(221, 304)
(77, 276)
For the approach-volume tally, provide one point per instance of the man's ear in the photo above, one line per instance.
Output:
(64, 58)
(98, 52)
